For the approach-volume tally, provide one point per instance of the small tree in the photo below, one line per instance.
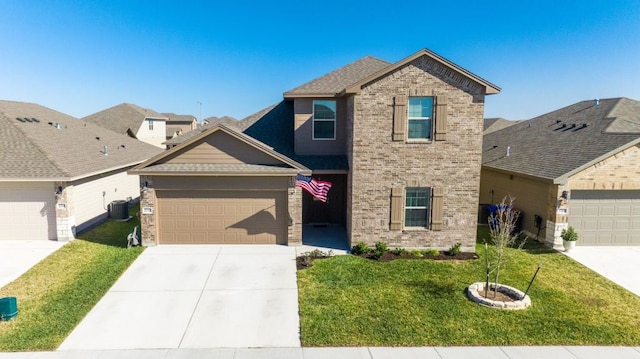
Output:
(503, 233)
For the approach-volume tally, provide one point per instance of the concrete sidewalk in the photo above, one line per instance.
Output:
(563, 352)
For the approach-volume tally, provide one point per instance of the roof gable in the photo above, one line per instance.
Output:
(123, 117)
(563, 142)
(220, 149)
(447, 68)
(53, 145)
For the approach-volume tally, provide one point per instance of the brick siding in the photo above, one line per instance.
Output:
(377, 164)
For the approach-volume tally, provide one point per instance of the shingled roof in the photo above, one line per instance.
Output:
(336, 81)
(39, 143)
(555, 145)
(496, 124)
(123, 118)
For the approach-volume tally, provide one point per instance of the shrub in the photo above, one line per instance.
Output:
(380, 249)
(431, 252)
(400, 250)
(416, 253)
(360, 248)
(569, 234)
(455, 249)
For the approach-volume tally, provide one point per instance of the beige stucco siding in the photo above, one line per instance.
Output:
(154, 136)
(378, 164)
(89, 198)
(303, 129)
(531, 196)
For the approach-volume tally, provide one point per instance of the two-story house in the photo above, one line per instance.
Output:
(140, 123)
(179, 124)
(400, 142)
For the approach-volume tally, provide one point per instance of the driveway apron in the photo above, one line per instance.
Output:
(197, 296)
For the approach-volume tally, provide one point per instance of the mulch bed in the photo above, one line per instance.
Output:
(303, 262)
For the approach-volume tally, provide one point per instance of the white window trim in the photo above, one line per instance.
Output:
(313, 125)
(409, 118)
(426, 207)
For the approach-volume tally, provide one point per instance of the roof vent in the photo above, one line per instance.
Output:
(105, 151)
(596, 102)
(584, 125)
(57, 125)
(508, 150)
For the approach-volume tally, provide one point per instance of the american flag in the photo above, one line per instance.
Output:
(318, 189)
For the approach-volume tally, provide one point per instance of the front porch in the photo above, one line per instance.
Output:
(324, 237)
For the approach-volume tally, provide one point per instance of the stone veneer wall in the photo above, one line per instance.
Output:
(147, 221)
(65, 222)
(377, 164)
(294, 222)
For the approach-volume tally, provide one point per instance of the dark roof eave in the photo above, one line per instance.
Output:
(219, 174)
(289, 95)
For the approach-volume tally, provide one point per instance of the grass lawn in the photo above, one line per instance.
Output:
(351, 301)
(56, 294)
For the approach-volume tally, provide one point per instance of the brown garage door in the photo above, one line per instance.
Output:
(606, 217)
(222, 217)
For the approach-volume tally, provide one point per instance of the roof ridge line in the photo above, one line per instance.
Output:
(613, 108)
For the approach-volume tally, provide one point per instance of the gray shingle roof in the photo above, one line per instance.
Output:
(178, 119)
(39, 150)
(336, 81)
(555, 144)
(123, 117)
(496, 124)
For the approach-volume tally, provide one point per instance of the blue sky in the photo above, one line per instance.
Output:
(237, 57)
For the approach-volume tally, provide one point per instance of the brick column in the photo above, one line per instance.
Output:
(65, 223)
(294, 204)
(147, 212)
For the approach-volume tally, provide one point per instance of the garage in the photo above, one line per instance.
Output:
(27, 211)
(221, 217)
(604, 218)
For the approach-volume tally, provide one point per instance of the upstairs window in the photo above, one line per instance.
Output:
(420, 117)
(416, 209)
(324, 120)
(150, 124)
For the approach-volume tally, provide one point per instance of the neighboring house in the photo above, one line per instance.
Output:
(58, 174)
(205, 125)
(496, 124)
(401, 143)
(577, 166)
(179, 124)
(140, 123)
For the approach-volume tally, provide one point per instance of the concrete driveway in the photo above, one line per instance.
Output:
(620, 265)
(197, 297)
(19, 256)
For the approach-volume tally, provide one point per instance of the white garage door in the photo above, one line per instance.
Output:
(606, 217)
(27, 210)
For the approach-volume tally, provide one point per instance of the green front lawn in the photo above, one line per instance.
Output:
(56, 294)
(351, 301)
